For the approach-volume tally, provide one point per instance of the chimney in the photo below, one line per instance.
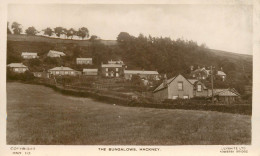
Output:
(221, 68)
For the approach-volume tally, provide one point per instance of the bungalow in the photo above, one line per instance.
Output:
(226, 96)
(43, 74)
(90, 72)
(29, 55)
(63, 71)
(53, 53)
(151, 75)
(112, 70)
(84, 60)
(17, 67)
(180, 87)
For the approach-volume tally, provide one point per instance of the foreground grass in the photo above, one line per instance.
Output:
(39, 115)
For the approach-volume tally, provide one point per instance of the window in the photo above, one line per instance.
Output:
(180, 85)
(117, 75)
(106, 74)
(24, 69)
(186, 97)
(66, 72)
(15, 69)
(117, 69)
(106, 69)
(72, 73)
(57, 72)
(199, 88)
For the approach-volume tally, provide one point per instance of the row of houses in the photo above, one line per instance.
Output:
(180, 87)
(109, 70)
(55, 54)
(173, 88)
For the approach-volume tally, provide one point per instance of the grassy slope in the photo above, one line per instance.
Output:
(38, 115)
(54, 40)
(43, 44)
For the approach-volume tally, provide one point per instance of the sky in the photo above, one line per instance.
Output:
(221, 27)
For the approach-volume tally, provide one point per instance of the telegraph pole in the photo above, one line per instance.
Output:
(212, 98)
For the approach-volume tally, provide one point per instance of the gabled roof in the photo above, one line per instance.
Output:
(56, 52)
(192, 81)
(61, 68)
(29, 53)
(224, 92)
(141, 72)
(161, 86)
(84, 59)
(90, 70)
(16, 65)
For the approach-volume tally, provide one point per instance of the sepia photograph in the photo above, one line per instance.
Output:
(129, 74)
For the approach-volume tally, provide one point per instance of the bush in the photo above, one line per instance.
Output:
(52, 61)
(34, 62)
(26, 76)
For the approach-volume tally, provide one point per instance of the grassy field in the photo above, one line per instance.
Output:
(45, 39)
(39, 115)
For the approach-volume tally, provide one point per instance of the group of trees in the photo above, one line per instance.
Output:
(58, 31)
(176, 56)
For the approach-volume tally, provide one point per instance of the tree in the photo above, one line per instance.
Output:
(70, 33)
(16, 28)
(123, 37)
(12, 57)
(59, 31)
(31, 31)
(93, 38)
(83, 32)
(76, 51)
(48, 31)
(8, 30)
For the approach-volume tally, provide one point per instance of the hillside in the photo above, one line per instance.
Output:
(26, 38)
(161, 54)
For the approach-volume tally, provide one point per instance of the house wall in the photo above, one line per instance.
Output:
(147, 76)
(84, 61)
(29, 56)
(63, 72)
(90, 73)
(202, 93)
(173, 88)
(19, 70)
(107, 73)
(161, 94)
(41, 74)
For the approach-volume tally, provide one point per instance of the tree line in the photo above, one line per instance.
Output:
(82, 32)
